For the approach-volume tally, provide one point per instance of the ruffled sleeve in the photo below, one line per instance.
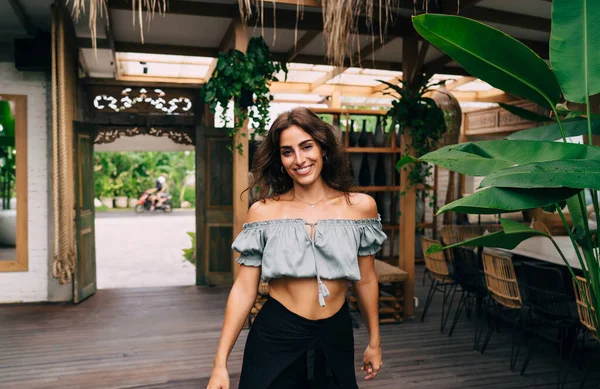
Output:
(371, 239)
(250, 244)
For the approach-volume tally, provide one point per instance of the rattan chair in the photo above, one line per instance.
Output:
(440, 280)
(261, 298)
(583, 295)
(503, 287)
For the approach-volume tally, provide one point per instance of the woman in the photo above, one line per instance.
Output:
(308, 236)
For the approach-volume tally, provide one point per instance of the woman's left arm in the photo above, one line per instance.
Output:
(367, 291)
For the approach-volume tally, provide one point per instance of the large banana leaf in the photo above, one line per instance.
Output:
(574, 46)
(491, 55)
(484, 158)
(572, 127)
(580, 174)
(511, 235)
(501, 200)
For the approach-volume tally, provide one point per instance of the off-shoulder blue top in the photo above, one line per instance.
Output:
(284, 248)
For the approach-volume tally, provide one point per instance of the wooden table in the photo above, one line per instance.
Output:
(541, 248)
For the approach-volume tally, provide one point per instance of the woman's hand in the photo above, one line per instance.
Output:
(372, 362)
(219, 379)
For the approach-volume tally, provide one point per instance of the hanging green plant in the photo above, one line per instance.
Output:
(245, 79)
(422, 118)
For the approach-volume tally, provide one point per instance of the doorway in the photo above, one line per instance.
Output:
(140, 241)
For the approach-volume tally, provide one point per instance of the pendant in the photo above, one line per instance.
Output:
(312, 205)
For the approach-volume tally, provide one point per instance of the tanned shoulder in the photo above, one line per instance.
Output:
(262, 211)
(364, 206)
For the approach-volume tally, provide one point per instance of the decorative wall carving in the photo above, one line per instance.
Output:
(141, 100)
(183, 135)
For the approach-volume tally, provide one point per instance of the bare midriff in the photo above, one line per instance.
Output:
(301, 296)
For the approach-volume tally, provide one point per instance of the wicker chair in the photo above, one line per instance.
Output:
(503, 287)
(261, 298)
(453, 233)
(586, 315)
(440, 280)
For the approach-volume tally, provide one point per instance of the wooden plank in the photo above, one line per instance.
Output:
(407, 200)
(166, 338)
(488, 15)
(461, 81)
(240, 161)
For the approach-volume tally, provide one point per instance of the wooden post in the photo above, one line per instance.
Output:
(240, 161)
(336, 100)
(408, 200)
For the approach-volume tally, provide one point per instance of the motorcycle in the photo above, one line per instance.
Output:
(145, 203)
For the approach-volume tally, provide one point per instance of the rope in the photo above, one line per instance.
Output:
(64, 259)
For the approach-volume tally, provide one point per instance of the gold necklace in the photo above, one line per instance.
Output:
(311, 204)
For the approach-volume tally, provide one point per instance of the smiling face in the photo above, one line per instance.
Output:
(301, 155)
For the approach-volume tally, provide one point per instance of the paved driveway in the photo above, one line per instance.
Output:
(143, 250)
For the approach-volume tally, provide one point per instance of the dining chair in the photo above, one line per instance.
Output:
(441, 281)
(467, 271)
(550, 306)
(503, 287)
(583, 295)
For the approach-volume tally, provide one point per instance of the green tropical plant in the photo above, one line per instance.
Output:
(245, 79)
(8, 172)
(189, 254)
(530, 170)
(421, 118)
(131, 173)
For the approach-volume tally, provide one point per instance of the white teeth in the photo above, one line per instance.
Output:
(303, 170)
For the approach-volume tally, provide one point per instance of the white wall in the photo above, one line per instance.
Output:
(33, 284)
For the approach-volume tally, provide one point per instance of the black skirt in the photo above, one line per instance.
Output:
(279, 339)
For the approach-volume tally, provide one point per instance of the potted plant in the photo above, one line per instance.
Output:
(8, 212)
(421, 118)
(121, 189)
(245, 79)
(529, 169)
(104, 190)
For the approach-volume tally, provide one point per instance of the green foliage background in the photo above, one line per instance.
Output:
(131, 173)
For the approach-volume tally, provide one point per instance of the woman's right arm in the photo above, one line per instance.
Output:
(240, 302)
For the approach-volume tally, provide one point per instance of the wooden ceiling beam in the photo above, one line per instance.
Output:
(286, 18)
(227, 39)
(493, 95)
(507, 18)
(302, 43)
(151, 48)
(22, 16)
(461, 81)
(452, 6)
(336, 71)
(111, 44)
(147, 48)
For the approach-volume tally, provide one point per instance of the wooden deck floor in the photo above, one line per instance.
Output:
(166, 337)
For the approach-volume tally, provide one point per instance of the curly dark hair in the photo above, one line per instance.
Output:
(266, 170)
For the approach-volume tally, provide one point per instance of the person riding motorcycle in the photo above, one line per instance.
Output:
(160, 195)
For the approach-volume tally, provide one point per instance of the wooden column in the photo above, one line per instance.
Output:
(407, 201)
(240, 161)
(336, 100)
